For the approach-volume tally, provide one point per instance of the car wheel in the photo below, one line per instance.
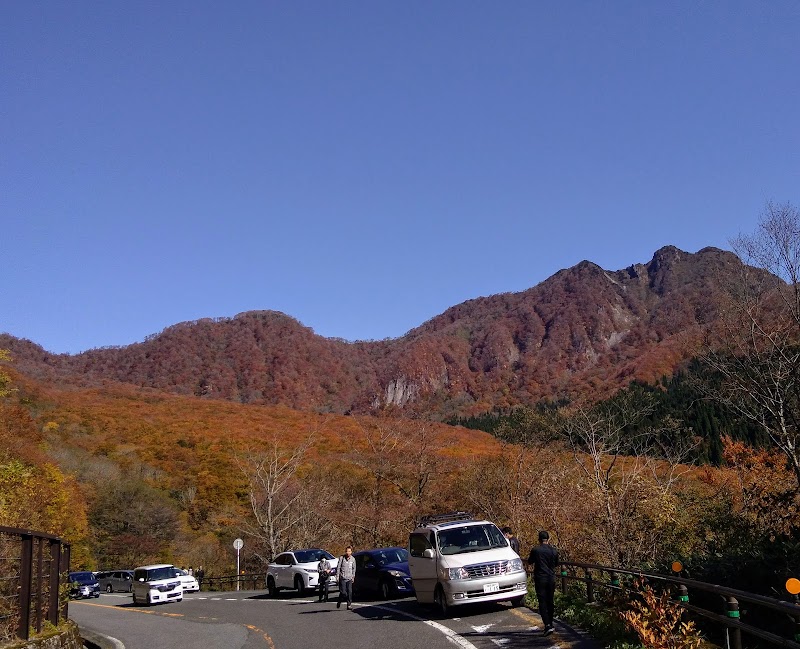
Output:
(109, 589)
(298, 584)
(518, 601)
(385, 589)
(135, 603)
(273, 590)
(440, 600)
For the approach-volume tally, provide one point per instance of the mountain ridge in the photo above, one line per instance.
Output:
(583, 331)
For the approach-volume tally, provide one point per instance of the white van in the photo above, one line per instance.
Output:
(455, 559)
(157, 583)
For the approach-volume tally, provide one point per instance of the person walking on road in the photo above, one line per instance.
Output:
(346, 573)
(544, 560)
(324, 568)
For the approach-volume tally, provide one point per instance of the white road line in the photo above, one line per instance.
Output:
(451, 635)
(500, 641)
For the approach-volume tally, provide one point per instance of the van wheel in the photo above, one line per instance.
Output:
(273, 590)
(384, 589)
(135, 603)
(440, 600)
(109, 589)
(298, 584)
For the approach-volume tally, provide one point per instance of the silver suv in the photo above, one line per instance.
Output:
(455, 559)
(116, 580)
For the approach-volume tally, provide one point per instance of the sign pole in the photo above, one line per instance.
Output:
(237, 544)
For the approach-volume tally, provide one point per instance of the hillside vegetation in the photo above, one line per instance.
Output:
(255, 427)
(583, 333)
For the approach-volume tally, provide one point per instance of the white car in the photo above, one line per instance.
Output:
(155, 584)
(188, 582)
(297, 569)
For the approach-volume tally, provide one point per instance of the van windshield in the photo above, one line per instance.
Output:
(160, 573)
(471, 538)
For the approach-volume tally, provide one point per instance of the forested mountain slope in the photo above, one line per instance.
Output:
(584, 331)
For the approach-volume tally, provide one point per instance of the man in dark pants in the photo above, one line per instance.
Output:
(324, 570)
(544, 559)
(346, 573)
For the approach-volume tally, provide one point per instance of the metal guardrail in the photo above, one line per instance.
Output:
(31, 565)
(728, 615)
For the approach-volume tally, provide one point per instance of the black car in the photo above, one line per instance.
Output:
(83, 584)
(383, 572)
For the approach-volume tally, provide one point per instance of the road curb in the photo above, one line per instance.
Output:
(94, 640)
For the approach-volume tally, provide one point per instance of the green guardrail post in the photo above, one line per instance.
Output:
(564, 575)
(614, 579)
(732, 611)
(589, 587)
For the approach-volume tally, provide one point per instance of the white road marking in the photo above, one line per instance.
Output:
(451, 635)
(500, 641)
(483, 628)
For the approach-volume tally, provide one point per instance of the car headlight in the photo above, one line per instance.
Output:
(397, 573)
(514, 565)
(455, 573)
(310, 570)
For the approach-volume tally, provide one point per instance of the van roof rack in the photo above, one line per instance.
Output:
(445, 518)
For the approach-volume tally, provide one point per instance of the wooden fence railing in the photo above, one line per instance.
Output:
(31, 567)
(251, 581)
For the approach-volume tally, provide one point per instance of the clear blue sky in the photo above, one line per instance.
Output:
(362, 166)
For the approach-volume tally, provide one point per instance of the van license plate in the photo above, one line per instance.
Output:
(491, 588)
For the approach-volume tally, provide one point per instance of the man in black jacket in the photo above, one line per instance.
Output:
(513, 541)
(544, 560)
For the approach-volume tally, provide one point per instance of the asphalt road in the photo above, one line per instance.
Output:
(253, 620)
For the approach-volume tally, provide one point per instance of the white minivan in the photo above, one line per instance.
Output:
(455, 559)
(155, 584)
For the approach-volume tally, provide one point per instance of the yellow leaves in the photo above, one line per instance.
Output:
(657, 620)
(5, 379)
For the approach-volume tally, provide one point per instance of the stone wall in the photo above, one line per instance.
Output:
(65, 637)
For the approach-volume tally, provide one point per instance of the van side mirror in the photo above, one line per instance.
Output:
(427, 553)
